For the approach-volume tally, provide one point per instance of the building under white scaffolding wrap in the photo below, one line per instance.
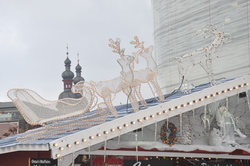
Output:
(175, 26)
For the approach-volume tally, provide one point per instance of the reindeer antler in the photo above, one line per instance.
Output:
(116, 46)
(137, 43)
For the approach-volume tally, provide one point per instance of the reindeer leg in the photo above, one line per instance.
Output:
(157, 89)
(132, 98)
(210, 72)
(206, 68)
(108, 102)
(138, 93)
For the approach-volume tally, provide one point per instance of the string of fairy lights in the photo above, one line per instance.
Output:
(151, 117)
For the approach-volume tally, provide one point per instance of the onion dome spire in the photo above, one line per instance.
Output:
(67, 74)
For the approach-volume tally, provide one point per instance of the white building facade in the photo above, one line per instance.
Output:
(175, 25)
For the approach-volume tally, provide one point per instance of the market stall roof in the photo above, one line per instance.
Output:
(80, 140)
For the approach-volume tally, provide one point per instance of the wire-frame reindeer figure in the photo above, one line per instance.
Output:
(146, 75)
(105, 89)
(202, 56)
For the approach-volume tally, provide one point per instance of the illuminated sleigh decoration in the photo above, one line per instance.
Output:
(105, 89)
(202, 56)
(146, 75)
(39, 111)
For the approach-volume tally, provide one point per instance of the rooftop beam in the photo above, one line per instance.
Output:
(108, 130)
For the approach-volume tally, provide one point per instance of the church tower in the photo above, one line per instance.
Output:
(67, 76)
(78, 77)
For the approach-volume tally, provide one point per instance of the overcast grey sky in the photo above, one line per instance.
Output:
(34, 35)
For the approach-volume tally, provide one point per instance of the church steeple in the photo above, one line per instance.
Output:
(67, 76)
(78, 68)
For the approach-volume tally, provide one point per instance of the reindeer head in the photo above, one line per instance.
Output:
(126, 61)
(126, 64)
(226, 37)
(205, 32)
(178, 59)
(220, 37)
(210, 30)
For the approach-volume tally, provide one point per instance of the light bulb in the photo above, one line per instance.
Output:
(159, 113)
(207, 97)
(183, 105)
(55, 144)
